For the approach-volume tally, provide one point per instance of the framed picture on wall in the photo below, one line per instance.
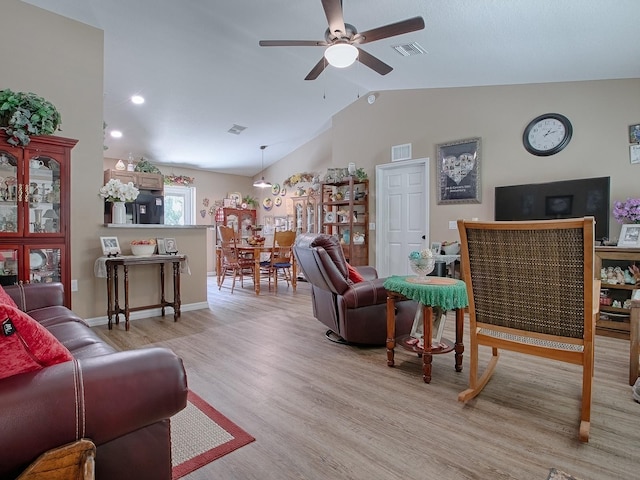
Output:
(458, 171)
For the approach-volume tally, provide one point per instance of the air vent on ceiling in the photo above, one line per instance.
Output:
(236, 129)
(409, 49)
(401, 152)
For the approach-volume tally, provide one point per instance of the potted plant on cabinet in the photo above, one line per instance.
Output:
(25, 114)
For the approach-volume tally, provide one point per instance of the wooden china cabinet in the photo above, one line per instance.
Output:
(35, 212)
(239, 219)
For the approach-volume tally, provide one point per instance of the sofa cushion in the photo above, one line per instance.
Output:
(25, 345)
(5, 298)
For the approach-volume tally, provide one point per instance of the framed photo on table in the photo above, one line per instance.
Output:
(110, 246)
(162, 249)
(170, 245)
(458, 171)
(629, 235)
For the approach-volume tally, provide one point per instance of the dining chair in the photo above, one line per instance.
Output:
(280, 261)
(532, 290)
(232, 261)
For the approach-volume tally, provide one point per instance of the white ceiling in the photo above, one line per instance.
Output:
(199, 66)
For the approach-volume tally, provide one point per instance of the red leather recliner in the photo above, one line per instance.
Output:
(354, 312)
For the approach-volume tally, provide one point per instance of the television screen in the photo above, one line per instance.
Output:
(563, 199)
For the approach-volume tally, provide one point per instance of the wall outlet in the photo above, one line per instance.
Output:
(372, 226)
(74, 285)
(453, 225)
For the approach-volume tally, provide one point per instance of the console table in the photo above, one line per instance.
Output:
(111, 265)
(429, 292)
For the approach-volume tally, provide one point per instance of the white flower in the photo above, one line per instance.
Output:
(116, 191)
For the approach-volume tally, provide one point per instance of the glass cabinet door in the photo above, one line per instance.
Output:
(9, 266)
(44, 264)
(43, 195)
(10, 192)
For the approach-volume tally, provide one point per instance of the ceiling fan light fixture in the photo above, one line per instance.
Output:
(341, 55)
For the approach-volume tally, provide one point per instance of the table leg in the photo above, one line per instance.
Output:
(176, 291)
(459, 345)
(116, 288)
(256, 270)
(109, 294)
(162, 299)
(126, 297)
(427, 357)
(218, 264)
(391, 329)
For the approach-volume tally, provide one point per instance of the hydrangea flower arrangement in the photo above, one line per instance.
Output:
(628, 211)
(116, 191)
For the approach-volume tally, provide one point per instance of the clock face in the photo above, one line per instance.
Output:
(547, 134)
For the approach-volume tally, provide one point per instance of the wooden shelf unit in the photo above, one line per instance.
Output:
(345, 213)
(616, 324)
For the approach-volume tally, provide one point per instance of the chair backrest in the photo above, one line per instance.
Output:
(532, 276)
(228, 244)
(282, 247)
(321, 259)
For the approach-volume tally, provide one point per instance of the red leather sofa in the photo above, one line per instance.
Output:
(122, 401)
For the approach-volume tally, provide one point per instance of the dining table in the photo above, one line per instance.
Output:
(258, 253)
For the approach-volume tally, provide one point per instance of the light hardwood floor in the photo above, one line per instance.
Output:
(320, 410)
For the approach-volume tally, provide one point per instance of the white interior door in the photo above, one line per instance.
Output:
(402, 214)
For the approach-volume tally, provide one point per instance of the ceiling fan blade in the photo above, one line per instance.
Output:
(391, 30)
(373, 63)
(333, 11)
(317, 70)
(293, 43)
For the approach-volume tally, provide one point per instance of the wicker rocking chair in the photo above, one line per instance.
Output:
(532, 290)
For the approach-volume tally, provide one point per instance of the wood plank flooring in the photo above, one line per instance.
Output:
(321, 411)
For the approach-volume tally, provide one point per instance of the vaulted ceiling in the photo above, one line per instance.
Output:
(200, 68)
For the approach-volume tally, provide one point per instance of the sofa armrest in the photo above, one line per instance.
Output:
(364, 294)
(367, 271)
(31, 296)
(123, 392)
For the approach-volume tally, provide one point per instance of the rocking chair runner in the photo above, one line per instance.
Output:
(532, 290)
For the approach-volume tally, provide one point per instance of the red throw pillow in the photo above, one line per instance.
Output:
(354, 275)
(25, 345)
(6, 299)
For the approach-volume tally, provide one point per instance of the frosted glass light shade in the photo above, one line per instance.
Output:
(341, 55)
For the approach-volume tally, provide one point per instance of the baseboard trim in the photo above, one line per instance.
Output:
(152, 312)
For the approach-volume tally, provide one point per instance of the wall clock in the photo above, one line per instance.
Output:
(547, 134)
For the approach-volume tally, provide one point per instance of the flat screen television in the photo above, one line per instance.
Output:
(563, 199)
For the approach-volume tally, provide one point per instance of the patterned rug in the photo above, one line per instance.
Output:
(200, 434)
(555, 474)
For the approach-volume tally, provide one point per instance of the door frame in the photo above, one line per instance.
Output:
(383, 168)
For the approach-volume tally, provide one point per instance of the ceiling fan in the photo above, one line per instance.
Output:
(342, 40)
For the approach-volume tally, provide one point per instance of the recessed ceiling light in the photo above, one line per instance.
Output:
(137, 99)
(116, 133)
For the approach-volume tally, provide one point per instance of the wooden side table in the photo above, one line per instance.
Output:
(113, 301)
(429, 292)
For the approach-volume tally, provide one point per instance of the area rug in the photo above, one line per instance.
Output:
(555, 474)
(200, 434)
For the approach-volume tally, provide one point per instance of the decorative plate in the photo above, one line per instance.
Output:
(267, 203)
(278, 201)
(283, 191)
(330, 217)
(275, 188)
(37, 259)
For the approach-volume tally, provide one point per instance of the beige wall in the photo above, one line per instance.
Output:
(600, 111)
